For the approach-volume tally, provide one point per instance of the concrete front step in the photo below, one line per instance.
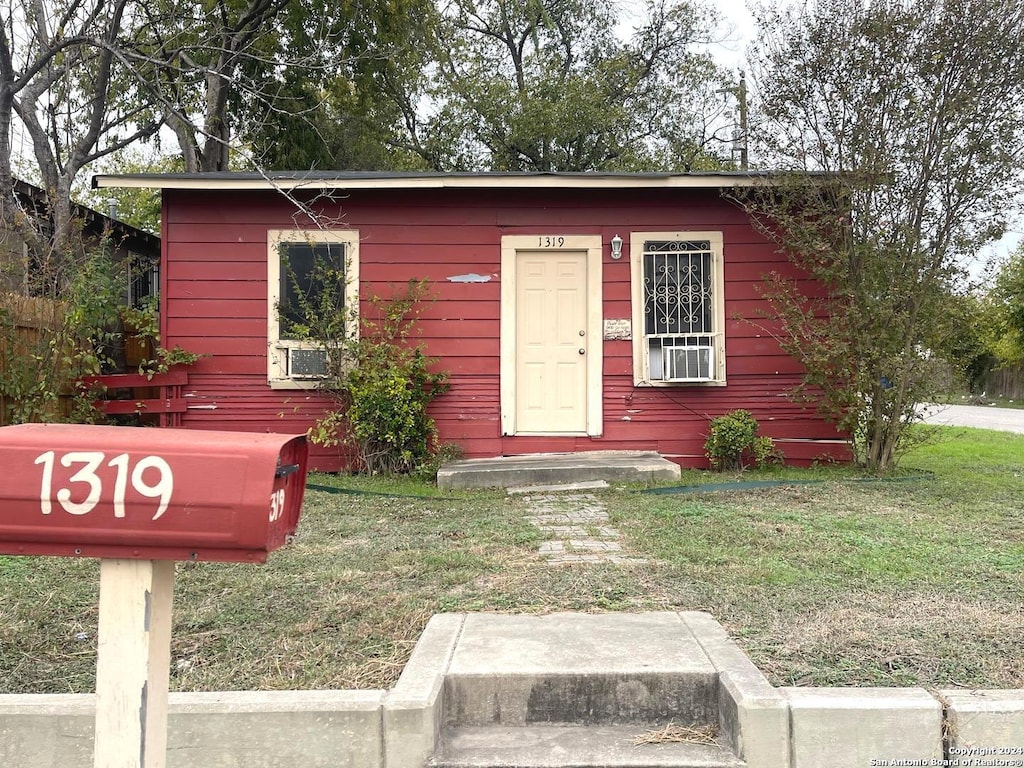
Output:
(558, 468)
(583, 669)
(582, 699)
(568, 746)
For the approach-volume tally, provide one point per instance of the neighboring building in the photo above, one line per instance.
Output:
(135, 250)
(555, 339)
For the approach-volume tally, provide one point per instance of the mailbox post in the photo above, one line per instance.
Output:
(140, 499)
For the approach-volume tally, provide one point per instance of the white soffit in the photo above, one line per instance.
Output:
(315, 182)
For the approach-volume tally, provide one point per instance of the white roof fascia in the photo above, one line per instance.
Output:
(597, 181)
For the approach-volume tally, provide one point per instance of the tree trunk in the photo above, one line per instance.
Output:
(217, 139)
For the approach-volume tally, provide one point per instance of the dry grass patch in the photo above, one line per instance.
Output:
(679, 734)
(879, 638)
(915, 583)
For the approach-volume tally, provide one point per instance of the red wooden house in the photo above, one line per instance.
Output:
(574, 312)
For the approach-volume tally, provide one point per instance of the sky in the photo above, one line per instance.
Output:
(738, 24)
(739, 28)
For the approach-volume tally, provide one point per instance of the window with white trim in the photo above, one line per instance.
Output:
(678, 308)
(305, 267)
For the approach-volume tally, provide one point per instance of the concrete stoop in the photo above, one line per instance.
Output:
(582, 690)
(558, 469)
(568, 746)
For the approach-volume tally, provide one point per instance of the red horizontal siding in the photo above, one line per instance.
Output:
(224, 345)
(757, 271)
(248, 271)
(440, 308)
(221, 289)
(229, 364)
(455, 364)
(200, 248)
(472, 254)
(213, 309)
(437, 332)
(761, 365)
(230, 327)
(429, 270)
(617, 291)
(216, 303)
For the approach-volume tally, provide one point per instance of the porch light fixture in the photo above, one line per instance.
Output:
(616, 247)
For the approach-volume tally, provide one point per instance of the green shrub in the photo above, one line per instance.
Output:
(733, 442)
(443, 453)
(48, 342)
(383, 384)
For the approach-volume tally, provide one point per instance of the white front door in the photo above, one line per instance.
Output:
(551, 335)
(551, 342)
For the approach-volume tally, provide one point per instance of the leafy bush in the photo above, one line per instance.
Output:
(48, 342)
(733, 442)
(443, 453)
(384, 383)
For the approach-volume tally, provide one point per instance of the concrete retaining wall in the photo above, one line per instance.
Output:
(986, 719)
(250, 729)
(767, 727)
(854, 728)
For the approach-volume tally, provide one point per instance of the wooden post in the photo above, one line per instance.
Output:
(133, 663)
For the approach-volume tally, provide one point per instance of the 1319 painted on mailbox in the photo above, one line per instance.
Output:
(140, 476)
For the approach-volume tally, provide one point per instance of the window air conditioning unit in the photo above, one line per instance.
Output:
(307, 363)
(689, 363)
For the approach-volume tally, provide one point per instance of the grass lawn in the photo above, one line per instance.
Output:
(839, 582)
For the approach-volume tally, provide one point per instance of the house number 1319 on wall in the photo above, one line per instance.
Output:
(86, 475)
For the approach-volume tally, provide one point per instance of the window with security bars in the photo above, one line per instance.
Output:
(143, 280)
(310, 274)
(679, 308)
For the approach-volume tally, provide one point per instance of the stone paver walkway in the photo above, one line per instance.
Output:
(578, 525)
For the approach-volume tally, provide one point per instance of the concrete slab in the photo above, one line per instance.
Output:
(414, 709)
(753, 715)
(564, 746)
(47, 730)
(586, 485)
(557, 468)
(574, 558)
(579, 668)
(314, 729)
(576, 644)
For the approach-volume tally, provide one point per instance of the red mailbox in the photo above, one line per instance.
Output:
(153, 494)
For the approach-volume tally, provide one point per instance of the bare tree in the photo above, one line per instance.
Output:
(86, 78)
(57, 65)
(207, 54)
(914, 112)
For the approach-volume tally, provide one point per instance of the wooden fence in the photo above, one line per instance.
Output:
(29, 322)
(156, 400)
(1006, 382)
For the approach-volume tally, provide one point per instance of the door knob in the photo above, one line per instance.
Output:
(583, 351)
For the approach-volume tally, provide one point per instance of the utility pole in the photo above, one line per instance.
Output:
(741, 97)
(739, 131)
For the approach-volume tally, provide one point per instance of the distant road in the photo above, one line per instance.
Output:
(983, 417)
